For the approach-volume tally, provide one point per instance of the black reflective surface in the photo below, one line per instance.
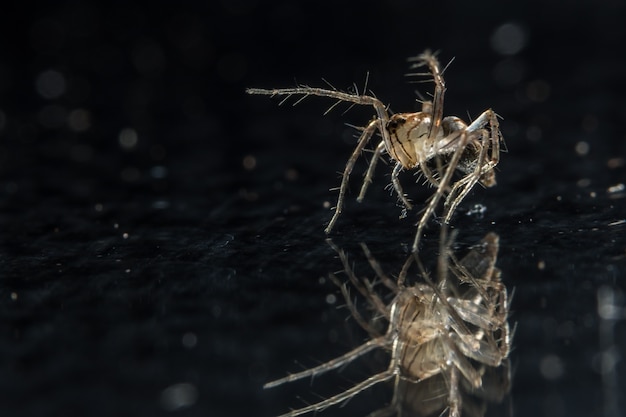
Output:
(162, 233)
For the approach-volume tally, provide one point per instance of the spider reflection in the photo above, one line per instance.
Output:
(447, 338)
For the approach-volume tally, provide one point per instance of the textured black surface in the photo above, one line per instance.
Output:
(129, 267)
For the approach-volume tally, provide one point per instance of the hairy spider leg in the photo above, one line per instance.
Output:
(367, 180)
(380, 122)
(441, 189)
(363, 140)
(487, 142)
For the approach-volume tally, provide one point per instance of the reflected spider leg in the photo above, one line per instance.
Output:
(365, 288)
(358, 317)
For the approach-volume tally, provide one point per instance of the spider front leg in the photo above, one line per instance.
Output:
(463, 186)
(488, 141)
(495, 136)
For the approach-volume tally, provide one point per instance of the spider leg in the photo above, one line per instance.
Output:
(370, 170)
(488, 158)
(395, 406)
(358, 317)
(493, 139)
(441, 189)
(332, 364)
(363, 140)
(381, 110)
(428, 174)
(455, 399)
(345, 395)
(428, 59)
(365, 288)
(485, 286)
(462, 187)
(388, 282)
(398, 187)
(460, 361)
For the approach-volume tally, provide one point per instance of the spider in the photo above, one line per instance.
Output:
(414, 139)
(448, 333)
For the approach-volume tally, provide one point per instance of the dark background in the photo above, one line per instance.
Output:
(162, 233)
